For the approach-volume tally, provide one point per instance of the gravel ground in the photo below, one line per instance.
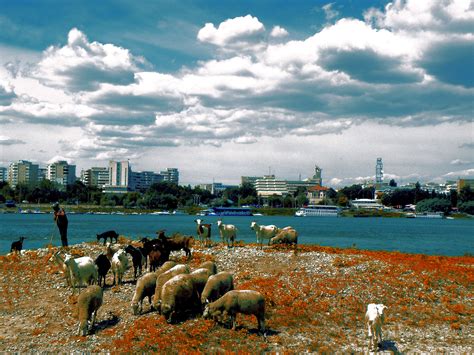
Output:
(326, 294)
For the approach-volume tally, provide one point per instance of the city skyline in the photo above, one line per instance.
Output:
(222, 90)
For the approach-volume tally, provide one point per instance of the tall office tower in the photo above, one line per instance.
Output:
(318, 175)
(379, 173)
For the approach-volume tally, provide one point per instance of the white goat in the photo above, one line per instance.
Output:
(119, 265)
(228, 232)
(204, 232)
(82, 270)
(264, 232)
(59, 260)
(374, 318)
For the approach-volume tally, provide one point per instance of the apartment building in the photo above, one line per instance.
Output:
(95, 176)
(170, 175)
(22, 172)
(61, 173)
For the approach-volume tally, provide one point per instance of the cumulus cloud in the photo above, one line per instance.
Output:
(329, 11)
(459, 173)
(82, 65)
(400, 67)
(278, 32)
(239, 32)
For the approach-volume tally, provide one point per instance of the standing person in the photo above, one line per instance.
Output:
(61, 221)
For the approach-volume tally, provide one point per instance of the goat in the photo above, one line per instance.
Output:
(137, 258)
(56, 257)
(119, 265)
(264, 232)
(204, 232)
(108, 235)
(374, 319)
(18, 245)
(177, 242)
(82, 270)
(103, 266)
(238, 301)
(227, 232)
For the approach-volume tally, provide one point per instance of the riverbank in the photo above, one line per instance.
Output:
(315, 301)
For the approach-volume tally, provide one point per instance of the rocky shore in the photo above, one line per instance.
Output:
(315, 302)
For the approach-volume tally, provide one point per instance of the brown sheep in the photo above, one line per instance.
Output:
(88, 303)
(210, 265)
(178, 297)
(216, 286)
(287, 235)
(163, 278)
(238, 301)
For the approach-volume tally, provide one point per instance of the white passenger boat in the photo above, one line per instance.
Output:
(318, 210)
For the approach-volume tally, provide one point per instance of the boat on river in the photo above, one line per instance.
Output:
(318, 210)
(227, 211)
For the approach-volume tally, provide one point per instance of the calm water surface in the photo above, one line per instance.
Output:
(426, 236)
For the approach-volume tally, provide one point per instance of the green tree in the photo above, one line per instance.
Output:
(467, 207)
(466, 194)
(434, 205)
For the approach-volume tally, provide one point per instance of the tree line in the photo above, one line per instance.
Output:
(169, 196)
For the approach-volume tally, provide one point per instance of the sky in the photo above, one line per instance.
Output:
(224, 89)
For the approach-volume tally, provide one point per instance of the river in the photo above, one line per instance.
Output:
(409, 235)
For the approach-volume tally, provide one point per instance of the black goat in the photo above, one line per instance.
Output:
(108, 235)
(18, 245)
(103, 266)
(137, 258)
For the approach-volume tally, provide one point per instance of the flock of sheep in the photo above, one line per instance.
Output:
(174, 290)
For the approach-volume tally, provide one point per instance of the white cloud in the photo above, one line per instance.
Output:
(460, 162)
(278, 32)
(237, 32)
(329, 11)
(460, 173)
(83, 65)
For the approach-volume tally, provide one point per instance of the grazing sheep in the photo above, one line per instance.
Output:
(264, 232)
(108, 235)
(238, 301)
(137, 258)
(228, 232)
(216, 286)
(59, 260)
(119, 266)
(287, 235)
(200, 277)
(178, 296)
(165, 267)
(374, 319)
(82, 270)
(88, 303)
(210, 265)
(17, 246)
(163, 278)
(145, 288)
(203, 232)
(177, 242)
(103, 267)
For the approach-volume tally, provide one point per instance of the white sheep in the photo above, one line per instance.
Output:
(82, 270)
(210, 265)
(374, 318)
(228, 232)
(200, 277)
(287, 235)
(216, 286)
(110, 250)
(88, 303)
(145, 288)
(179, 296)
(238, 301)
(264, 232)
(163, 278)
(119, 265)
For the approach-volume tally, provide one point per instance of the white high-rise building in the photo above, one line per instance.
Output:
(120, 174)
(269, 186)
(96, 176)
(170, 175)
(379, 173)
